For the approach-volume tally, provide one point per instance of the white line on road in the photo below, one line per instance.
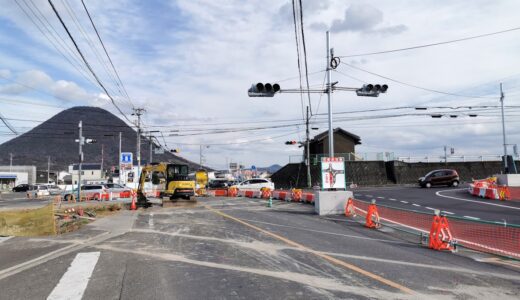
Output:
(405, 202)
(369, 196)
(427, 207)
(392, 199)
(470, 217)
(74, 282)
(475, 201)
(380, 197)
(4, 238)
(358, 195)
(150, 221)
(448, 212)
(416, 205)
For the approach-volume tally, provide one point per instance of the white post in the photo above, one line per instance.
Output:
(329, 91)
(506, 171)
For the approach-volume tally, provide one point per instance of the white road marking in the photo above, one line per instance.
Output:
(150, 221)
(392, 199)
(470, 217)
(475, 201)
(430, 208)
(4, 238)
(405, 202)
(416, 205)
(358, 195)
(380, 197)
(73, 283)
(448, 212)
(369, 196)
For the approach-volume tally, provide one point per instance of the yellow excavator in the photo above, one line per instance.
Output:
(172, 180)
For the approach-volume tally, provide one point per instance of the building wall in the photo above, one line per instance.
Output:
(342, 144)
(30, 170)
(87, 175)
(18, 178)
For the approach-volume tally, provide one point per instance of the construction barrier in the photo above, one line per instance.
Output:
(372, 219)
(232, 192)
(265, 193)
(296, 195)
(349, 208)
(28, 222)
(491, 237)
(440, 235)
(488, 188)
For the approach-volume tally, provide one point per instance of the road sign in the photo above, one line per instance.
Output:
(126, 160)
(253, 167)
(333, 173)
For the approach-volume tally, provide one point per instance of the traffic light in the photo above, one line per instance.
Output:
(371, 90)
(263, 90)
(175, 151)
(291, 142)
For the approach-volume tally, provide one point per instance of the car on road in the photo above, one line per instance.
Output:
(22, 188)
(117, 190)
(255, 184)
(88, 192)
(218, 184)
(447, 177)
(53, 189)
(38, 190)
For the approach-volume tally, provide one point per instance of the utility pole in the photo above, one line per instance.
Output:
(48, 168)
(200, 157)
(307, 150)
(10, 162)
(102, 157)
(329, 91)
(119, 158)
(506, 167)
(80, 142)
(151, 147)
(138, 112)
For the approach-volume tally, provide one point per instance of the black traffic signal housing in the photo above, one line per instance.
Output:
(291, 142)
(263, 90)
(372, 90)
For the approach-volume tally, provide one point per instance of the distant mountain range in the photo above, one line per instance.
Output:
(56, 138)
(271, 169)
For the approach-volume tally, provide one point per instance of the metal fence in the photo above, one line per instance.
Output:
(360, 156)
(451, 158)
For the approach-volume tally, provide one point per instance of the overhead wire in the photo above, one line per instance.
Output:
(305, 55)
(416, 86)
(298, 54)
(86, 62)
(433, 44)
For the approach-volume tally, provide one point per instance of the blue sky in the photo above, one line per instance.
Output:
(190, 63)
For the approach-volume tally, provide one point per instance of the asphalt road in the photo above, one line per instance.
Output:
(238, 249)
(451, 201)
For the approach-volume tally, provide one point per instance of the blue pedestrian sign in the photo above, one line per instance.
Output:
(126, 157)
(253, 168)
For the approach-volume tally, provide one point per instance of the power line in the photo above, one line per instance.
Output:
(298, 53)
(416, 86)
(305, 55)
(86, 62)
(433, 44)
(106, 52)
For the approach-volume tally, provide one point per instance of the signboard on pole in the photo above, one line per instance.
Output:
(126, 160)
(333, 173)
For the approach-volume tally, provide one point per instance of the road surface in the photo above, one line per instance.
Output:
(240, 249)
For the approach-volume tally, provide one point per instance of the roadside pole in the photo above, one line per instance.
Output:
(329, 91)
(445, 156)
(151, 148)
(506, 168)
(10, 162)
(80, 142)
(307, 147)
(119, 159)
(138, 112)
(48, 168)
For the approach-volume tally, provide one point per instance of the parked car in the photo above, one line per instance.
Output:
(118, 190)
(22, 188)
(255, 184)
(447, 177)
(89, 192)
(218, 184)
(38, 190)
(53, 189)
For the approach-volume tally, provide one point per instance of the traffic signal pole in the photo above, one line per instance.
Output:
(329, 91)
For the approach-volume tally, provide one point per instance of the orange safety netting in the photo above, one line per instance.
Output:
(491, 237)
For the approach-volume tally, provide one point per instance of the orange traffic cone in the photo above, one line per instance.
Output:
(372, 218)
(133, 206)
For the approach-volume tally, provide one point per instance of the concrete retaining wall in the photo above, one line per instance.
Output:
(380, 173)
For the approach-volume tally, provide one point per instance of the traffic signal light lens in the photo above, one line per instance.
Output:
(276, 87)
(268, 87)
(369, 87)
(260, 86)
(384, 87)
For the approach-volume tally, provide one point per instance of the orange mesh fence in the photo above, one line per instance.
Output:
(491, 237)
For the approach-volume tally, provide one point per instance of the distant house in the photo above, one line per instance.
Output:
(344, 142)
(90, 173)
